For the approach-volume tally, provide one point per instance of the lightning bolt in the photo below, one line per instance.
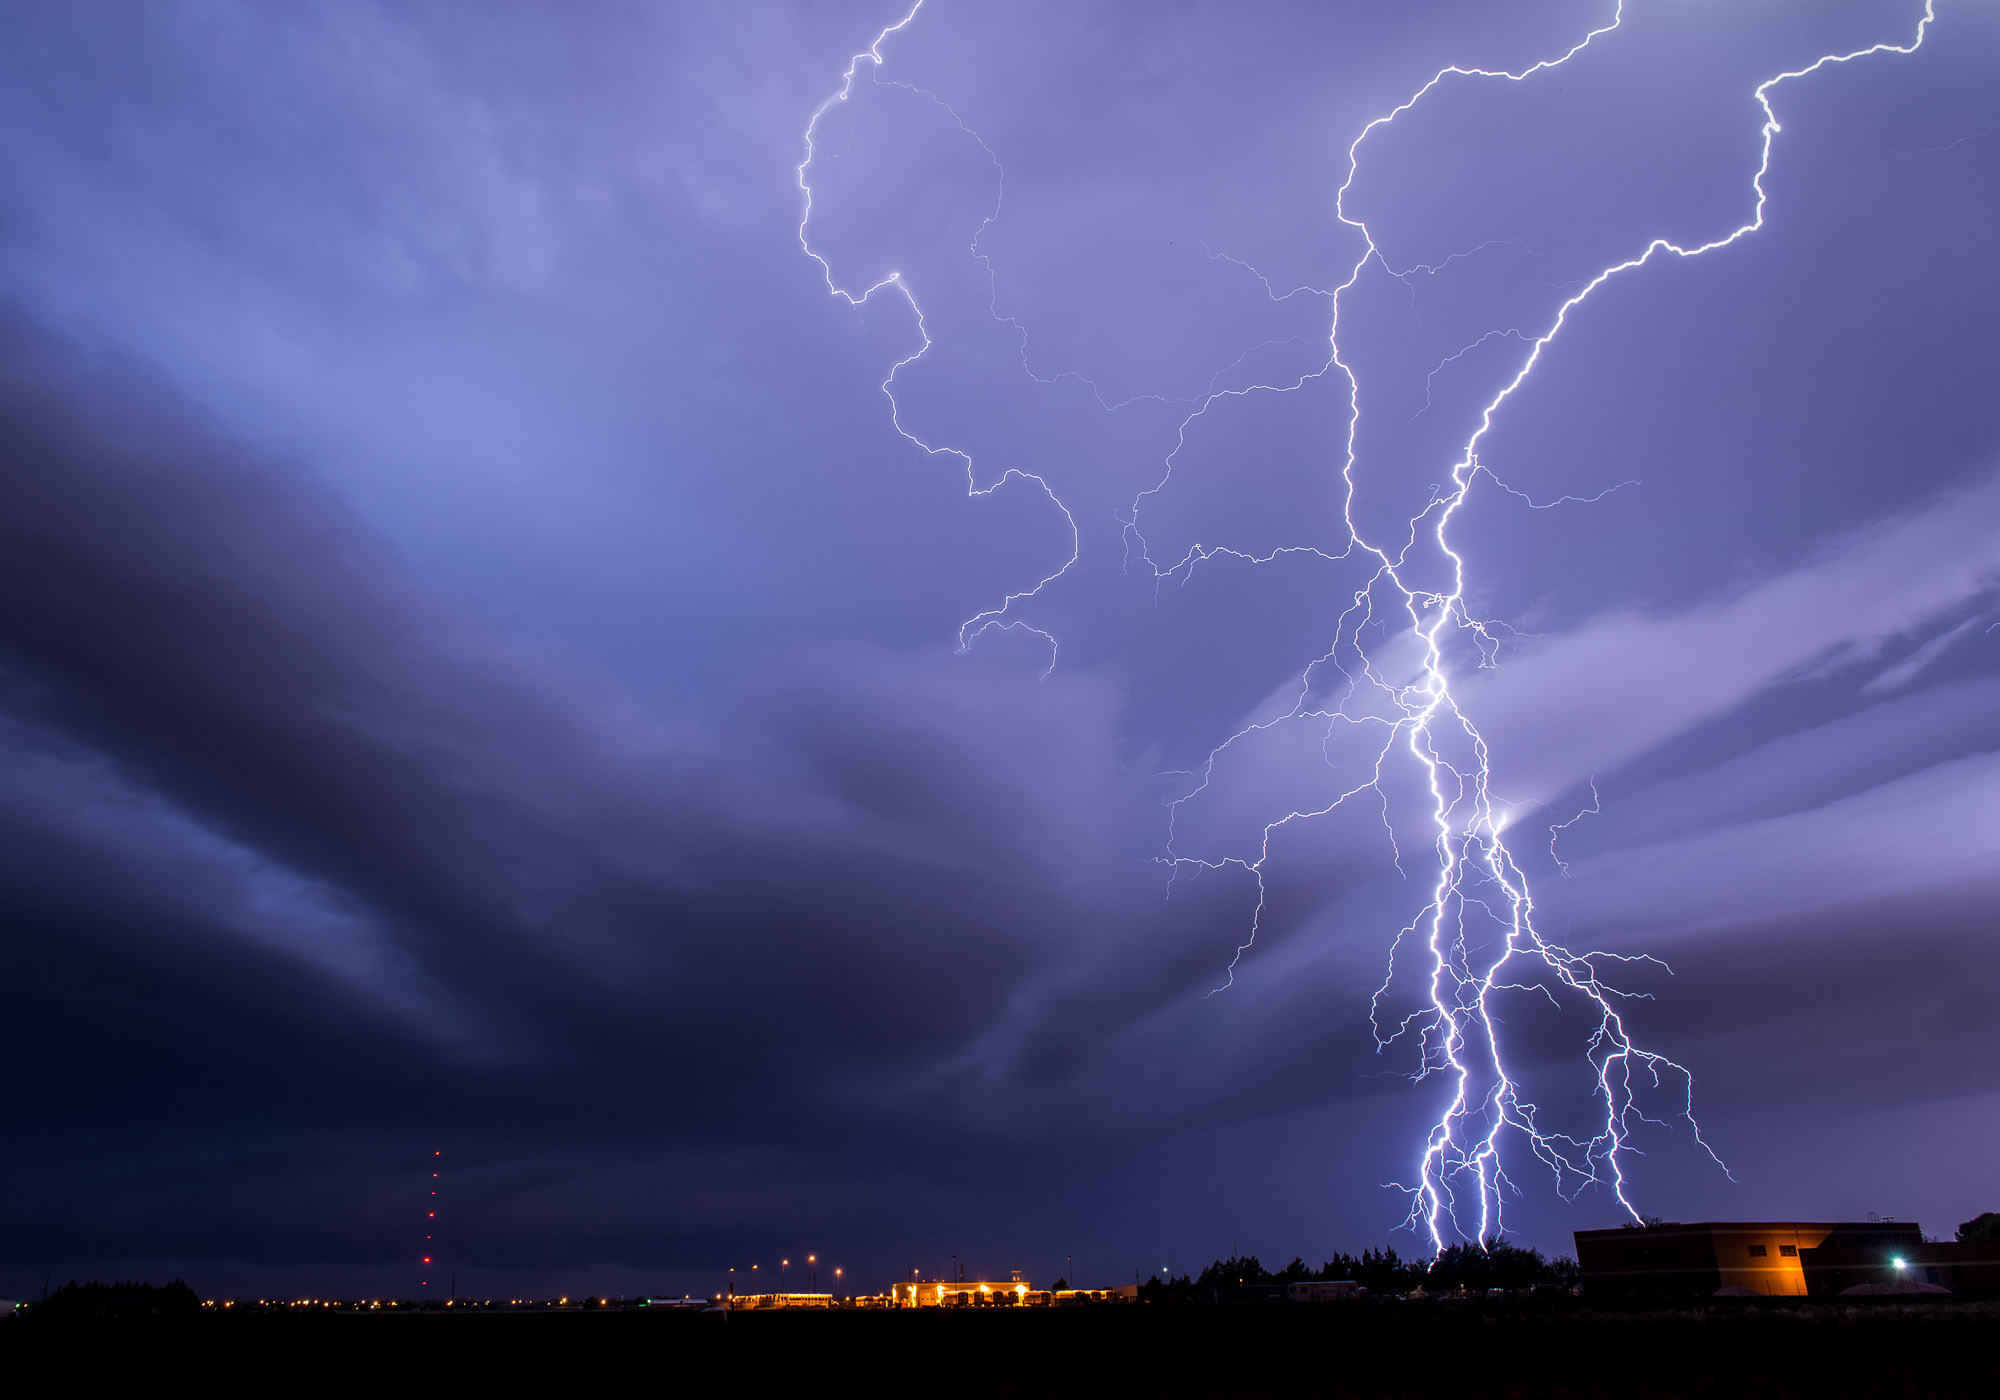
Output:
(1476, 930)
(1596, 808)
(995, 618)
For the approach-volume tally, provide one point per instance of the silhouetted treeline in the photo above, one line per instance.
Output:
(96, 1299)
(1980, 1228)
(1497, 1263)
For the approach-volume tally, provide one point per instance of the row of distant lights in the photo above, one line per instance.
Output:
(1896, 1261)
(1019, 1290)
(394, 1303)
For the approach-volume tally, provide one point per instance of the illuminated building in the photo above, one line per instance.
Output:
(781, 1300)
(962, 1294)
(1759, 1257)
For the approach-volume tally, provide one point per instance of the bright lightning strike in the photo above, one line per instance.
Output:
(1477, 928)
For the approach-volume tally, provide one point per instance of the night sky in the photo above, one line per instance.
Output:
(480, 666)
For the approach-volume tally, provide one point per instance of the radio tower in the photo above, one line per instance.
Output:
(430, 1218)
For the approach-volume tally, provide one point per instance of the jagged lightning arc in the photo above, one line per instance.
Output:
(1477, 928)
(994, 618)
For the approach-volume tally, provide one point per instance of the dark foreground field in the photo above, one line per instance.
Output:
(1464, 1350)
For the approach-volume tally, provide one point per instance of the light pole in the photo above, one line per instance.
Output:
(812, 1273)
(732, 1282)
(783, 1264)
(836, 1284)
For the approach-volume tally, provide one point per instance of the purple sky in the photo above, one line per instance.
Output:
(479, 673)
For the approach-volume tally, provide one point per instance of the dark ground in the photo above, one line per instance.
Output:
(1469, 1351)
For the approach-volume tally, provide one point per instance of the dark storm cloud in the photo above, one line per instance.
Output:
(299, 865)
(249, 758)
(230, 654)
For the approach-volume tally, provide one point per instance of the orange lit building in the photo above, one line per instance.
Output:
(781, 1300)
(961, 1294)
(1762, 1257)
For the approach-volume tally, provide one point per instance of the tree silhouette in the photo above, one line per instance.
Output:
(1233, 1270)
(1495, 1263)
(1377, 1270)
(1474, 1267)
(1980, 1228)
(115, 1300)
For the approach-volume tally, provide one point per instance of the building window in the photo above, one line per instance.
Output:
(1758, 1251)
(1788, 1251)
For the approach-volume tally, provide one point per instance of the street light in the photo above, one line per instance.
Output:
(812, 1274)
(783, 1264)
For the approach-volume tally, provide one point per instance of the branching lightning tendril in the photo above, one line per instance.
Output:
(995, 618)
(1477, 927)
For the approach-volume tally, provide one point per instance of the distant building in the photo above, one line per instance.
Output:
(781, 1300)
(1317, 1291)
(1761, 1257)
(961, 1294)
(1840, 1264)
